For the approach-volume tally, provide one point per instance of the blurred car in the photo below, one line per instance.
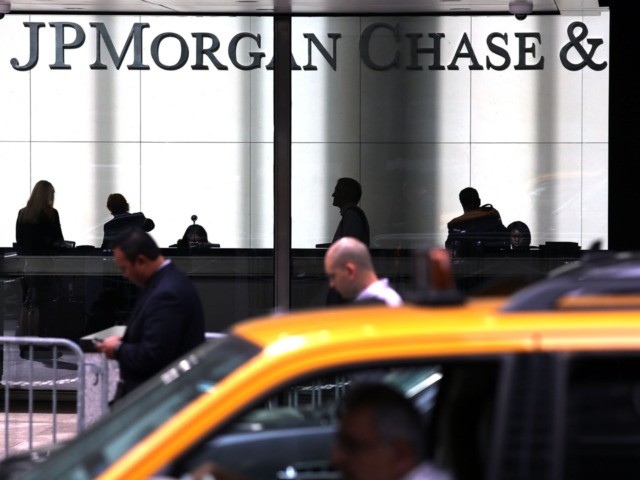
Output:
(543, 385)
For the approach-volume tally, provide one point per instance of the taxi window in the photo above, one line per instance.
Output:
(146, 408)
(602, 429)
(291, 433)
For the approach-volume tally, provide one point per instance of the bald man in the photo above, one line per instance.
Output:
(349, 267)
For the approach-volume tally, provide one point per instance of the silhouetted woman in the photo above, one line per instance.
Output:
(195, 236)
(38, 232)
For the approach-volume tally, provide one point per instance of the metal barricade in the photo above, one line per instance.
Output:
(320, 393)
(33, 368)
(48, 385)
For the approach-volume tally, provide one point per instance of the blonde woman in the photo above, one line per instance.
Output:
(38, 228)
(38, 232)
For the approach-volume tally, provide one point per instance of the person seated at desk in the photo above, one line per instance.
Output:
(122, 219)
(479, 230)
(519, 237)
(195, 236)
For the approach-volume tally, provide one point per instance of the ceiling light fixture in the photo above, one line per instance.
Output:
(520, 8)
(5, 7)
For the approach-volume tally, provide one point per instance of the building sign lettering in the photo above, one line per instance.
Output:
(423, 51)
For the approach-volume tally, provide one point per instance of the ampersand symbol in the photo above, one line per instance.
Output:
(575, 42)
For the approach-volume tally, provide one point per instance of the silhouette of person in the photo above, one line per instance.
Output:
(195, 236)
(350, 269)
(478, 230)
(519, 236)
(122, 219)
(38, 232)
(353, 223)
(380, 437)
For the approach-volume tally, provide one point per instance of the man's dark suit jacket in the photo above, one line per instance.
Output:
(167, 321)
(123, 222)
(353, 223)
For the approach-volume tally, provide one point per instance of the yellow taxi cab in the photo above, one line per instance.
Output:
(542, 385)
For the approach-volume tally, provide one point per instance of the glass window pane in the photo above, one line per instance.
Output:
(173, 112)
(418, 108)
(602, 441)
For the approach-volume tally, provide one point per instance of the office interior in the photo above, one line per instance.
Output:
(202, 117)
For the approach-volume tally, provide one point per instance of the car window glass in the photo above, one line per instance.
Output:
(315, 401)
(291, 433)
(147, 408)
(602, 428)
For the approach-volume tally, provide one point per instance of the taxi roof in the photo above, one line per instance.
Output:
(355, 320)
(457, 325)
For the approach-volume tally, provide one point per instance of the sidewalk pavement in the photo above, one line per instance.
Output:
(29, 431)
(44, 425)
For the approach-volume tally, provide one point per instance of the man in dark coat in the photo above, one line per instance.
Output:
(353, 222)
(122, 219)
(167, 320)
(478, 230)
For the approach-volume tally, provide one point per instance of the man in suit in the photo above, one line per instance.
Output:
(122, 219)
(167, 320)
(353, 222)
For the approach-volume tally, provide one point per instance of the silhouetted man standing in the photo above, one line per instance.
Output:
(354, 222)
